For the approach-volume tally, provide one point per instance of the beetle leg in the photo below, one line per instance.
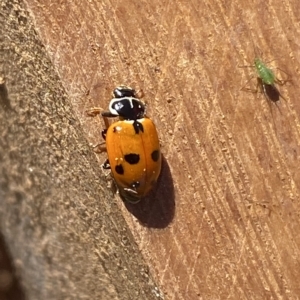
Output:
(99, 148)
(106, 116)
(103, 133)
(94, 111)
(106, 165)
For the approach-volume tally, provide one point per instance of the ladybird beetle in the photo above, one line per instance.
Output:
(132, 145)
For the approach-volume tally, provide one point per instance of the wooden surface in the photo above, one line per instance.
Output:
(223, 222)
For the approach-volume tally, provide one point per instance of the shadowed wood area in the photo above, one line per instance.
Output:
(223, 222)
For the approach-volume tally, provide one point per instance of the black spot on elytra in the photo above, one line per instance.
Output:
(119, 169)
(138, 126)
(155, 155)
(132, 158)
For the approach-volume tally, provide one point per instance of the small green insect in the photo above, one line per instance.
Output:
(266, 81)
(264, 73)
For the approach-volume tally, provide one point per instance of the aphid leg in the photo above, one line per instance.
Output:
(282, 82)
(248, 89)
(278, 108)
(246, 66)
(281, 96)
(288, 75)
(269, 61)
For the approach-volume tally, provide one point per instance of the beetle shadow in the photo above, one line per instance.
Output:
(157, 209)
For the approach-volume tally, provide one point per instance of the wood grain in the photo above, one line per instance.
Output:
(223, 221)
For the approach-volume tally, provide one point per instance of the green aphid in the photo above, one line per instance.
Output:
(264, 73)
(266, 81)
